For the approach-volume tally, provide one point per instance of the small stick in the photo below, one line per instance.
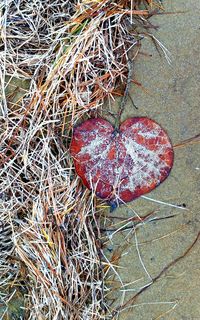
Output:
(126, 91)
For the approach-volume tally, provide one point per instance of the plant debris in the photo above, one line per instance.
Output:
(75, 55)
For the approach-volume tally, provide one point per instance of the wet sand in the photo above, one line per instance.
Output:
(171, 97)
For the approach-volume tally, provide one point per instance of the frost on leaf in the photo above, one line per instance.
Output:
(121, 165)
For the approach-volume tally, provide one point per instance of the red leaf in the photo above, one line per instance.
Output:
(121, 165)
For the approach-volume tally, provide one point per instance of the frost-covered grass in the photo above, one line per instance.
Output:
(75, 55)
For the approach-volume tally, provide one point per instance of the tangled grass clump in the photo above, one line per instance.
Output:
(75, 55)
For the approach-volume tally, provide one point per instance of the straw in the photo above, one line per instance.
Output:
(75, 54)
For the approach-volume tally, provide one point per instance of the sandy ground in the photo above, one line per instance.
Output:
(172, 98)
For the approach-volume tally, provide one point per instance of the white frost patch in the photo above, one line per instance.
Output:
(145, 162)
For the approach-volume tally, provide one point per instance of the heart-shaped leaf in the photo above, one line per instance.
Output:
(121, 165)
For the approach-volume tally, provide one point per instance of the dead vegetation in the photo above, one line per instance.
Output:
(75, 55)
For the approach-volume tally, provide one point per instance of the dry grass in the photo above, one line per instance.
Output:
(75, 55)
